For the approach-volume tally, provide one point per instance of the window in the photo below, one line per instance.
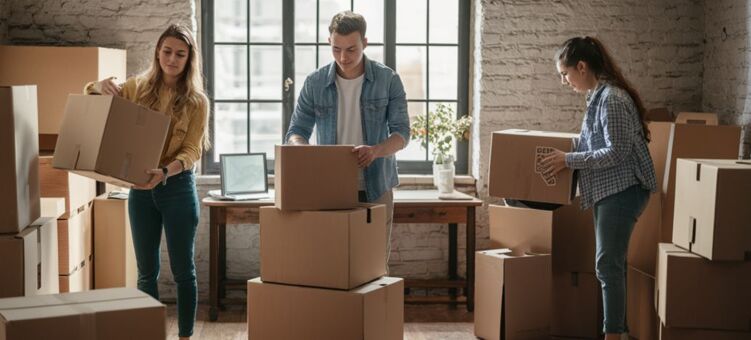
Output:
(258, 53)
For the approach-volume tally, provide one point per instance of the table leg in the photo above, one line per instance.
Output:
(213, 263)
(470, 290)
(453, 257)
(222, 263)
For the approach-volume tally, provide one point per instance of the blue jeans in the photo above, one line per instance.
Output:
(174, 208)
(615, 217)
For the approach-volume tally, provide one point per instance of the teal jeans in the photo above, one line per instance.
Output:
(174, 209)
(615, 217)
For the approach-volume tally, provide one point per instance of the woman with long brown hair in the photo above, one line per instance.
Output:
(616, 174)
(172, 85)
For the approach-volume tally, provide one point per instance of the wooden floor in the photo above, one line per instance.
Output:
(422, 322)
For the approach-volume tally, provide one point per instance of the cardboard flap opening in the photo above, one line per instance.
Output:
(691, 231)
(368, 218)
(698, 172)
(575, 279)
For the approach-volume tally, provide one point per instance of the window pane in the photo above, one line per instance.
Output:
(327, 10)
(373, 12)
(230, 72)
(230, 23)
(305, 21)
(230, 128)
(325, 56)
(432, 107)
(411, 21)
(444, 21)
(305, 63)
(443, 72)
(375, 53)
(410, 64)
(414, 150)
(266, 72)
(265, 21)
(265, 127)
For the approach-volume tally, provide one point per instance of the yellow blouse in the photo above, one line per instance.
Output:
(185, 136)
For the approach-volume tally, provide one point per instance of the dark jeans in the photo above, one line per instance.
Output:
(174, 208)
(615, 217)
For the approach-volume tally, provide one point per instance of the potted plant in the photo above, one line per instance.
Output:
(439, 130)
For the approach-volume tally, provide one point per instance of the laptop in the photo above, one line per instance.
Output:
(243, 177)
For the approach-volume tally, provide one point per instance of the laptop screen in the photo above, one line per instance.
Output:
(243, 173)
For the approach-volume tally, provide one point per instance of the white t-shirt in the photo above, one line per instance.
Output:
(349, 118)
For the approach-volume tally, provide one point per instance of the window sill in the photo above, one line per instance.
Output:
(404, 180)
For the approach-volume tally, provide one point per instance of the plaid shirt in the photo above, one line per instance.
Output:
(611, 154)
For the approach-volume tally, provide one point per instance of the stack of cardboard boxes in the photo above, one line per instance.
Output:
(28, 260)
(323, 255)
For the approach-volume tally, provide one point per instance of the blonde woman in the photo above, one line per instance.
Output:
(172, 85)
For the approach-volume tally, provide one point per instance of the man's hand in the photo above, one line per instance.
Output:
(297, 140)
(553, 163)
(366, 154)
(157, 175)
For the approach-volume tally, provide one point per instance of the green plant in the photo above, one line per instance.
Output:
(439, 129)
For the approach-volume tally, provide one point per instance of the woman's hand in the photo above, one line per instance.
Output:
(553, 163)
(157, 175)
(108, 87)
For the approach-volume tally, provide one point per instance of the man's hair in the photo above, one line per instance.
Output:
(347, 22)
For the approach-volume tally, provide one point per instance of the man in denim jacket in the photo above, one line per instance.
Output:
(355, 100)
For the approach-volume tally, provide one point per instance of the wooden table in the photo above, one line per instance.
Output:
(410, 206)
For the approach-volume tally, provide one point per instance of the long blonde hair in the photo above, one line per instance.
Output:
(189, 92)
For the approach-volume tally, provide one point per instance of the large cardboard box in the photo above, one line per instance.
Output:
(641, 315)
(693, 292)
(112, 314)
(691, 141)
(567, 233)
(339, 249)
(374, 311)
(97, 139)
(74, 237)
(512, 295)
(29, 260)
(514, 170)
(577, 306)
(713, 208)
(315, 177)
(642, 248)
(80, 280)
(19, 157)
(115, 260)
(57, 72)
(77, 190)
(669, 333)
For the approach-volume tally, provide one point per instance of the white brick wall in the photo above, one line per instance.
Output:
(726, 64)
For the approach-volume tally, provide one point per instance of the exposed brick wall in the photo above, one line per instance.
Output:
(4, 14)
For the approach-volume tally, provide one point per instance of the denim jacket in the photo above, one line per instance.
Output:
(383, 106)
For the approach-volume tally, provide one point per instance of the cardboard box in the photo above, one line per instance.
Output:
(701, 118)
(567, 232)
(112, 314)
(642, 248)
(641, 315)
(668, 333)
(52, 206)
(514, 171)
(577, 306)
(712, 208)
(74, 237)
(315, 177)
(369, 312)
(29, 260)
(115, 260)
(79, 281)
(57, 72)
(339, 249)
(512, 294)
(77, 190)
(19, 157)
(691, 141)
(693, 292)
(97, 139)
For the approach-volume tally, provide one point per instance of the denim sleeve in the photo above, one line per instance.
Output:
(303, 119)
(617, 133)
(397, 117)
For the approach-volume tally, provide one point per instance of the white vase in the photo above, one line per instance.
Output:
(443, 175)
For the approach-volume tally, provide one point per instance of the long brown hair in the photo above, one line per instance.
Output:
(189, 92)
(591, 51)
